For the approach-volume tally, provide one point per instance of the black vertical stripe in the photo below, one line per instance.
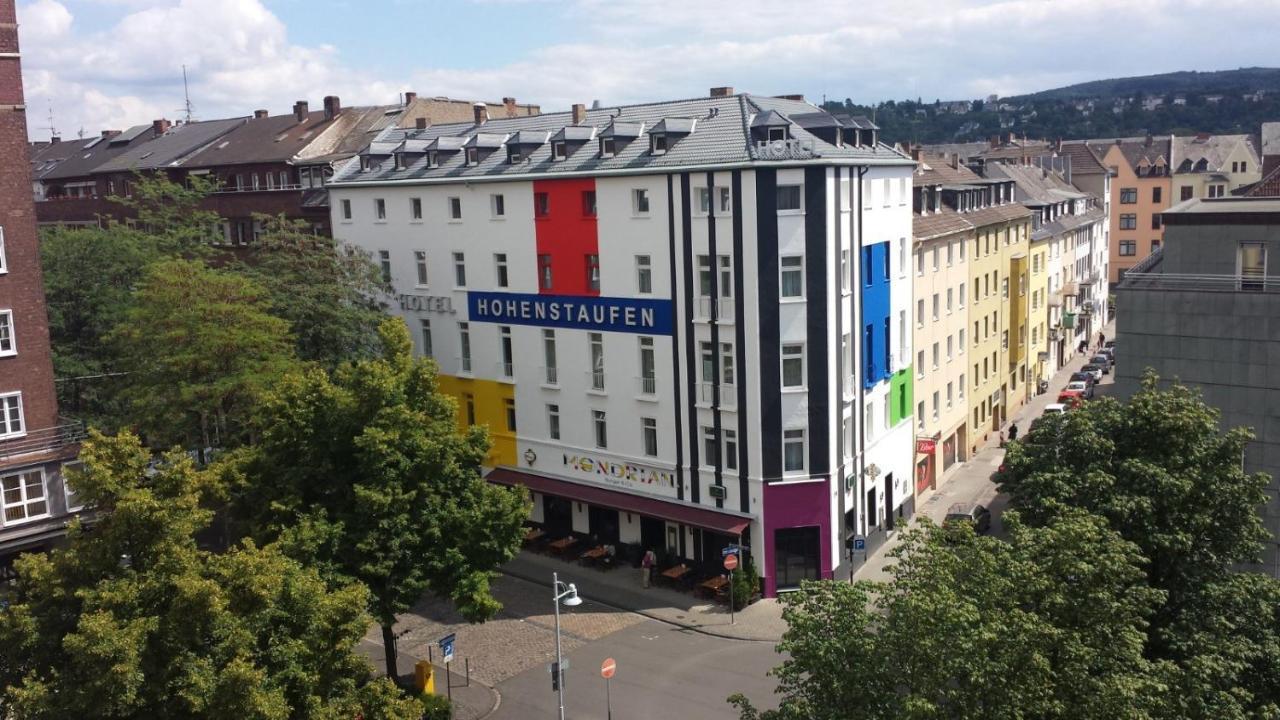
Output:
(841, 370)
(770, 441)
(817, 282)
(716, 424)
(740, 326)
(675, 338)
(686, 226)
(859, 387)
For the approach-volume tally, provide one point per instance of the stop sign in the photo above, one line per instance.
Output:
(730, 562)
(608, 668)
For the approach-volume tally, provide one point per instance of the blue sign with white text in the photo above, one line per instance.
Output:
(642, 316)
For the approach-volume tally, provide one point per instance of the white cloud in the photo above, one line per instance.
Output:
(240, 56)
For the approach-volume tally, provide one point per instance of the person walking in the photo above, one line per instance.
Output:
(1102, 340)
(1013, 432)
(646, 566)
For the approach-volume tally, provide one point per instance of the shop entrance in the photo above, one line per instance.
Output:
(603, 524)
(557, 516)
(796, 555)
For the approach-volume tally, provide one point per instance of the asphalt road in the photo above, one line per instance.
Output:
(663, 672)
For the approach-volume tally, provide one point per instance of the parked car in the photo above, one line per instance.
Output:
(1055, 409)
(1086, 390)
(1110, 344)
(1103, 362)
(1096, 370)
(1082, 376)
(1071, 398)
(1110, 353)
(974, 513)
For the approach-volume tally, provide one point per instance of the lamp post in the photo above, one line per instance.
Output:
(569, 594)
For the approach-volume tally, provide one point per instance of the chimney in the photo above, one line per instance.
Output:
(332, 106)
(54, 140)
(917, 153)
(725, 91)
(510, 104)
(579, 113)
(955, 161)
(994, 141)
(301, 110)
(110, 133)
(409, 97)
(1148, 140)
(797, 98)
(159, 127)
(481, 113)
(420, 123)
(259, 114)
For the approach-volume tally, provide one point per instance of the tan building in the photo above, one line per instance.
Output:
(941, 238)
(1141, 188)
(1209, 166)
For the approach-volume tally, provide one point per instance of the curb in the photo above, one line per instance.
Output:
(652, 616)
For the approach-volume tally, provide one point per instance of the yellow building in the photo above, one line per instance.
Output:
(1038, 356)
(488, 403)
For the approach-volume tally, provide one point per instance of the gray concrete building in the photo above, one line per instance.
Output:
(1205, 309)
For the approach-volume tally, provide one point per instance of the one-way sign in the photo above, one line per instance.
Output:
(730, 550)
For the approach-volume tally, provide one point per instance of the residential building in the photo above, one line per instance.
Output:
(1270, 147)
(942, 239)
(1141, 189)
(1201, 311)
(1210, 166)
(712, 307)
(35, 445)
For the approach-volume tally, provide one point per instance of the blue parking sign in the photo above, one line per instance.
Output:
(859, 543)
(446, 647)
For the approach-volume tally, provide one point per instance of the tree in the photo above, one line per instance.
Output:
(170, 213)
(89, 277)
(327, 292)
(199, 346)
(366, 476)
(1048, 625)
(132, 620)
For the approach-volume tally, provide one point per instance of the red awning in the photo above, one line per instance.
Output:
(707, 518)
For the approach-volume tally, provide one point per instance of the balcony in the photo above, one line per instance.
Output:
(718, 310)
(648, 386)
(45, 441)
(550, 375)
(595, 380)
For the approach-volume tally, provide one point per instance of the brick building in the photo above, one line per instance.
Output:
(34, 444)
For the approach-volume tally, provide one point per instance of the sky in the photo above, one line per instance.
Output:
(110, 64)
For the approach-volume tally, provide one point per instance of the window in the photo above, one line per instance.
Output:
(553, 421)
(793, 450)
(1155, 222)
(950, 347)
(789, 198)
(497, 205)
(936, 306)
(1129, 221)
(464, 337)
(644, 274)
(459, 269)
(658, 143)
(511, 414)
(920, 312)
(24, 496)
(730, 449)
(935, 406)
(500, 269)
(649, 433)
(504, 343)
(558, 150)
(415, 208)
(544, 272)
(936, 253)
(960, 341)
(706, 280)
(793, 366)
(1128, 196)
(1156, 194)
(596, 342)
(6, 333)
(869, 414)
(920, 262)
(593, 273)
(1155, 245)
(960, 387)
(648, 367)
(936, 355)
(640, 201)
(710, 447)
(792, 285)
(384, 262)
(920, 415)
(608, 147)
(541, 204)
(346, 209)
(425, 326)
(601, 427)
(867, 255)
(1186, 192)
(704, 201)
(1128, 248)
(708, 357)
(919, 363)
(11, 415)
(726, 363)
(902, 257)
(1244, 166)
(549, 356)
(455, 208)
(589, 203)
(1216, 191)
(473, 156)
(725, 197)
(726, 276)
(845, 279)
(949, 392)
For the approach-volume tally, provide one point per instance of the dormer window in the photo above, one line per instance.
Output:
(513, 155)
(659, 144)
(558, 150)
(608, 147)
(473, 156)
(433, 159)
(777, 133)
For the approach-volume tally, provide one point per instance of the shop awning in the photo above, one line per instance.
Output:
(707, 518)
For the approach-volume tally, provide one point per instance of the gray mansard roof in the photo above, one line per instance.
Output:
(718, 129)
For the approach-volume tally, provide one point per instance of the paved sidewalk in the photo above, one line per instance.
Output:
(622, 588)
(470, 702)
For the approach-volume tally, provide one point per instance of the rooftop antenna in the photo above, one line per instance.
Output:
(53, 131)
(186, 95)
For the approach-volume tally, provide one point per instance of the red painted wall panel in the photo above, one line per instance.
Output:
(566, 233)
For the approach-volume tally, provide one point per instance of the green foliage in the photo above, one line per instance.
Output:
(199, 346)
(436, 707)
(365, 476)
(1047, 625)
(170, 213)
(132, 620)
(325, 291)
(746, 583)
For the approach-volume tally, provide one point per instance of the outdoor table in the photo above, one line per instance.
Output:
(594, 553)
(563, 544)
(533, 534)
(714, 585)
(675, 573)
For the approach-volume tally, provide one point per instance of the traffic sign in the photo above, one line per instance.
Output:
(730, 562)
(860, 543)
(730, 550)
(446, 647)
(608, 668)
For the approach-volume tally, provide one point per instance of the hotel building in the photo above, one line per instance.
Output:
(712, 304)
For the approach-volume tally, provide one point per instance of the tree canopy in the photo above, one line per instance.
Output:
(365, 475)
(132, 620)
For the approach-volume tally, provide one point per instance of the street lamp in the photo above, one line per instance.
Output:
(569, 594)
